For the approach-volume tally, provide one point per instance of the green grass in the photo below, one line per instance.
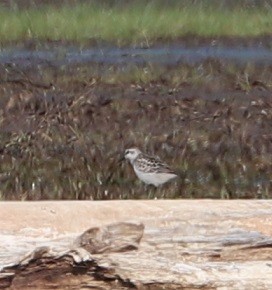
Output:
(134, 24)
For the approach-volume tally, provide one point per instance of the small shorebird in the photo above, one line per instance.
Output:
(150, 170)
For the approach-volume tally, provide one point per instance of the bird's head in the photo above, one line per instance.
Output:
(132, 153)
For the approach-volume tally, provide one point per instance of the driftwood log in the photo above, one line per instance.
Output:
(159, 244)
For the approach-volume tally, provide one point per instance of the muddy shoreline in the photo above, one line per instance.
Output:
(189, 40)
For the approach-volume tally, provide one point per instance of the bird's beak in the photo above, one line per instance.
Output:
(121, 159)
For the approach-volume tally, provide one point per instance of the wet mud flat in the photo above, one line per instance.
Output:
(65, 124)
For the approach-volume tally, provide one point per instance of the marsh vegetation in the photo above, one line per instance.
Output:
(131, 22)
(64, 141)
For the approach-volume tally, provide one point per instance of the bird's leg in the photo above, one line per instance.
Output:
(166, 191)
(146, 187)
(152, 191)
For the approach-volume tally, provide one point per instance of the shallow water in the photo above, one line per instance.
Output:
(163, 55)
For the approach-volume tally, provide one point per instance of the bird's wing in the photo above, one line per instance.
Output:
(152, 165)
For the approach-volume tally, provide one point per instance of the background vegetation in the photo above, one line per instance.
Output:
(131, 22)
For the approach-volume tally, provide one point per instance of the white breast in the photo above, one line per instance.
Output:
(154, 178)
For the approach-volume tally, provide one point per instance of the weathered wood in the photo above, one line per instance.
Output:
(136, 244)
(119, 237)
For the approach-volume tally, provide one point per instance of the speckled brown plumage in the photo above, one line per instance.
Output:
(151, 164)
